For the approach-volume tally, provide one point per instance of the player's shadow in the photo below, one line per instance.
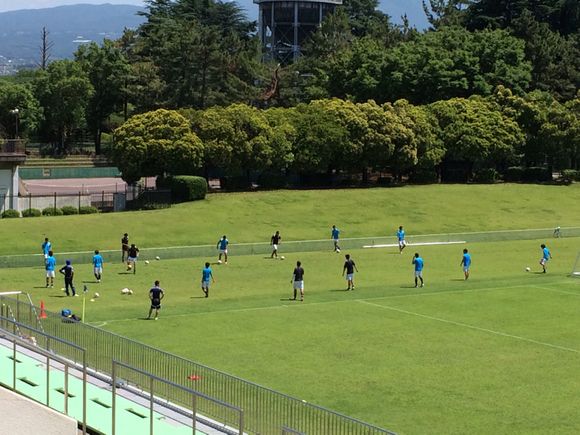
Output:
(339, 290)
(539, 273)
(124, 273)
(457, 279)
(409, 286)
(90, 282)
(58, 296)
(198, 297)
(40, 286)
(290, 299)
(144, 318)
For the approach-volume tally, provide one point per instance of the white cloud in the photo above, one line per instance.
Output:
(12, 5)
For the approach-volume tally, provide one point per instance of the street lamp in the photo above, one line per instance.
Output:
(15, 112)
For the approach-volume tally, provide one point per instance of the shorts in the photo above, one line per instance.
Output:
(224, 251)
(418, 274)
(335, 240)
(543, 261)
(45, 256)
(349, 276)
(275, 247)
(50, 274)
(402, 243)
(466, 268)
(298, 285)
(98, 270)
(125, 248)
(205, 284)
(156, 304)
(132, 259)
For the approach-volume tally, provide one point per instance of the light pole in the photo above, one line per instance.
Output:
(15, 112)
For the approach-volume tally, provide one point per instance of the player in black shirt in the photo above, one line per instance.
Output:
(349, 268)
(124, 246)
(69, 273)
(155, 294)
(298, 280)
(275, 241)
(132, 255)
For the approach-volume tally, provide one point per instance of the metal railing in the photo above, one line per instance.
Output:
(265, 411)
(231, 420)
(12, 146)
(51, 349)
(174, 252)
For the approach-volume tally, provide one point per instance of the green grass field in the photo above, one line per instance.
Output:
(496, 353)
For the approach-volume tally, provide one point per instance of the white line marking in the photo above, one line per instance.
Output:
(391, 245)
(476, 328)
(241, 310)
(556, 291)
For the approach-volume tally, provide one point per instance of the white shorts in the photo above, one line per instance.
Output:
(349, 276)
(50, 273)
(402, 243)
(418, 274)
(298, 285)
(45, 256)
(543, 261)
(466, 268)
(132, 259)
(275, 247)
(224, 251)
(97, 270)
(205, 284)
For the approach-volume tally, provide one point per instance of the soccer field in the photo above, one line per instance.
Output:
(498, 352)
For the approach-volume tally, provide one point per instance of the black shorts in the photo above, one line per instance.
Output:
(156, 303)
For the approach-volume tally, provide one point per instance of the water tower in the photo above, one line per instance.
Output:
(284, 25)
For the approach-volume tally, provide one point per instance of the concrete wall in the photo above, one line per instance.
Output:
(8, 187)
(22, 416)
(41, 202)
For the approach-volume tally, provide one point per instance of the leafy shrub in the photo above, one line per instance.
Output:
(570, 175)
(424, 177)
(69, 209)
(52, 211)
(532, 174)
(31, 212)
(487, 176)
(272, 181)
(10, 214)
(153, 206)
(88, 209)
(514, 173)
(186, 187)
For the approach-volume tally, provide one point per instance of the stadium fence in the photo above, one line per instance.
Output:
(175, 252)
(265, 411)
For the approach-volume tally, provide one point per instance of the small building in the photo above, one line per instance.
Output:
(12, 154)
(284, 26)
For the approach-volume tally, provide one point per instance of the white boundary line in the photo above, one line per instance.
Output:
(392, 245)
(242, 310)
(476, 328)
(556, 291)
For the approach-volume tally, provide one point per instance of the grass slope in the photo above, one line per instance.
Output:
(251, 217)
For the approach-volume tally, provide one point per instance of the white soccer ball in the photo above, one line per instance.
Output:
(528, 269)
(337, 251)
(158, 258)
(129, 267)
(146, 261)
(282, 258)
(96, 295)
(92, 300)
(130, 291)
(125, 291)
(219, 262)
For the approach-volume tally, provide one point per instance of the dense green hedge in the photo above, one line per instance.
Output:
(87, 209)
(185, 187)
(31, 212)
(10, 214)
(69, 209)
(52, 211)
(486, 176)
(532, 174)
(570, 175)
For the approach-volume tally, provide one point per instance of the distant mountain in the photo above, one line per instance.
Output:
(69, 26)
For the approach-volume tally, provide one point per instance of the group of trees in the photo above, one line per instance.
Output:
(365, 94)
(331, 135)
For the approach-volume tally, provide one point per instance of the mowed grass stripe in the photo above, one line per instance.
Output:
(464, 325)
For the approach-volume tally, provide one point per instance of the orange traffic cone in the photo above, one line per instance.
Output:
(42, 312)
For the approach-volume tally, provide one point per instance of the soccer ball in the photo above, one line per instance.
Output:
(92, 300)
(528, 269)
(129, 266)
(125, 291)
(157, 258)
(130, 291)
(219, 262)
(282, 258)
(146, 261)
(338, 250)
(96, 295)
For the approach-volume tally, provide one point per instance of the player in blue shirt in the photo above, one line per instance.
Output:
(49, 266)
(222, 245)
(46, 247)
(546, 256)
(334, 234)
(98, 265)
(206, 275)
(401, 239)
(418, 262)
(466, 263)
